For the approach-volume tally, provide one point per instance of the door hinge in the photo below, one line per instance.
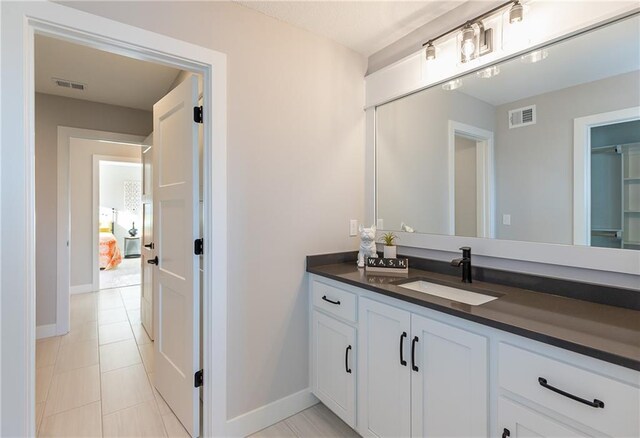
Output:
(197, 114)
(197, 379)
(198, 247)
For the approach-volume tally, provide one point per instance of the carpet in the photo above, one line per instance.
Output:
(126, 273)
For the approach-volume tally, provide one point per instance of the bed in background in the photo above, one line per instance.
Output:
(110, 255)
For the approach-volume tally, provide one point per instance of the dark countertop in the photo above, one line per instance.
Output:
(601, 331)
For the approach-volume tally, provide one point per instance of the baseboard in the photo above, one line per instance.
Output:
(253, 421)
(46, 331)
(81, 289)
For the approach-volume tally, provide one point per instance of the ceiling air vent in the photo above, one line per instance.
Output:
(522, 117)
(64, 83)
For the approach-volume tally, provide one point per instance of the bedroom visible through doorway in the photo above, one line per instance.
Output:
(119, 223)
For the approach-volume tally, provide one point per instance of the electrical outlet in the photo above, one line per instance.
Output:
(506, 219)
(353, 227)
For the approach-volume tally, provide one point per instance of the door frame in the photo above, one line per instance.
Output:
(63, 241)
(485, 195)
(20, 22)
(582, 166)
(95, 201)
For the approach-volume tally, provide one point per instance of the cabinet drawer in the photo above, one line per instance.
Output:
(526, 374)
(334, 300)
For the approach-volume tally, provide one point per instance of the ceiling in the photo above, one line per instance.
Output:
(606, 52)
(108, 78)
(364, 26)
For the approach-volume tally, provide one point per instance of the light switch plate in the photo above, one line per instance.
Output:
(506, 219)
(380, 224)
(353, 227)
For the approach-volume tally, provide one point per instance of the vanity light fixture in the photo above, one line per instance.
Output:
(516, 13)
(452, 85)
(489, 72)
(472, 45)
(535, 56)
(430, 51)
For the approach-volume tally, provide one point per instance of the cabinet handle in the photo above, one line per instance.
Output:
(346, 360)
(402, 361)
(329, 301)
(505, 433)
(149, 245)
(413, 353)
(594, 404)
(153, 261)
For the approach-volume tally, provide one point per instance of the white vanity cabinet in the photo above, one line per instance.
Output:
(517, 421)
(333, 349)
(418, 372)
(419, 377)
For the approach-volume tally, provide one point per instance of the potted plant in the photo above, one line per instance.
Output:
(390, 250)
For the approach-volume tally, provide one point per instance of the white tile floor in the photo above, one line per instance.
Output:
(95, 380)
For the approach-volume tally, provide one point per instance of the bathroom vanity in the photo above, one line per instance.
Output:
(397, 361)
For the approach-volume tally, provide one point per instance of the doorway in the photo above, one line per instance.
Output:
(119, 217)
(470, 181)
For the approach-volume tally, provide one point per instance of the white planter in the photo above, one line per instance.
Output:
(390, 252)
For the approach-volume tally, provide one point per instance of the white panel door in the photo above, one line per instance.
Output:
(448, 382)
(384, 395)
(517, 421)
(333, 356)
(175, 227)
(147, 250)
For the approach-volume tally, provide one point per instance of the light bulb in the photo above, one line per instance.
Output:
(516, 13)
(430, 51)
(468, 45)
(535, 56)
(489, 72)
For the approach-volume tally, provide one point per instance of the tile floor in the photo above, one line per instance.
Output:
(95, 380)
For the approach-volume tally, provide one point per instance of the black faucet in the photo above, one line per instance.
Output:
(465, 261)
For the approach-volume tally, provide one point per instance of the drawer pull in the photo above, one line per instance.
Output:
(506, 432)
(413, 353)
(402, 361)
(346, 360)
(330, 301)
(594, 404)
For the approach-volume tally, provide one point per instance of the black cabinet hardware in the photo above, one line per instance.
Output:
(346, 360)
(413, 353)
(402, 361)
(505, 433)
(149, 245)
(329, 301)
(594, 404)
(153, 261)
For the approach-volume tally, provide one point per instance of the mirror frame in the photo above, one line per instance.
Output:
(577, 256)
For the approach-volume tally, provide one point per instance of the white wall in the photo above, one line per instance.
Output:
(295, 175)
(534, 183)
(51, 112)
(112, 179)
(82, 246)
(466, 187)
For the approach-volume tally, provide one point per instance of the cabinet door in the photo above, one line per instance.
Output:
(448, 381)
(333, 353)
(517, 421)
(384, 395)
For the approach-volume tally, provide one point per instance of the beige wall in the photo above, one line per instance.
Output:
(51, 112)
(295, 175)
(533, 164)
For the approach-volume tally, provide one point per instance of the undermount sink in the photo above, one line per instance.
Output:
(450, 293)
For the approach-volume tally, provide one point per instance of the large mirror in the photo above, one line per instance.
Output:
(492, 154)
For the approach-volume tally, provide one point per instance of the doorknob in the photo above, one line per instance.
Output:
(149, 245)
(153, 261)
